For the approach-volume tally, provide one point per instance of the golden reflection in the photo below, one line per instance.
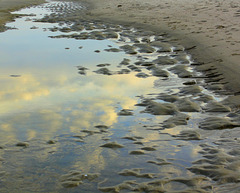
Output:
(93, 159)
(30, 95)
(25, 87)
(171, 170)
(31, 134)
(195, 151)
(109, 118)
(40, 109)
(76, 102)
(80, 120)
(6, 127)
(8, 133)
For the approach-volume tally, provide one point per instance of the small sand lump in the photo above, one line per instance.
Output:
(113, 145)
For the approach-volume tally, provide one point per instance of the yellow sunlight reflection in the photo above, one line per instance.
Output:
(41, 102)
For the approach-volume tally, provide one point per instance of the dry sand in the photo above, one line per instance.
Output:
(210, 25)
(6, 6)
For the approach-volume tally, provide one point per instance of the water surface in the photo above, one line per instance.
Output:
(65, 117)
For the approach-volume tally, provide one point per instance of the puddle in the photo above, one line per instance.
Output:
(102, 109)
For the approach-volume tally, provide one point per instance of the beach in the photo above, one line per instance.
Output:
(119, 96)
(211, 28)
(7, 6)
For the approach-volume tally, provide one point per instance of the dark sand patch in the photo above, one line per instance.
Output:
(165, 60)
(217, 123)
(191, 90)
(160, 108)
(125, 112)
(157, 71)
(178, 119)
(159, 162)
(218, 165)
(148, 148)
(186, 105)
(75, 178)
(22, 144)
(216, 107)
(137, 152)
(113, 145)
(188, 135)
(136, 172)
(181, 71)
(104, 71)
(168, 98)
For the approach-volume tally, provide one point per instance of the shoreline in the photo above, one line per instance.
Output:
(7, 6)
(144, 105)
(211, 28)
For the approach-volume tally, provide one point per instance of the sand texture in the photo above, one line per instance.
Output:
(143, 120)
(208, 28)
(6, 6)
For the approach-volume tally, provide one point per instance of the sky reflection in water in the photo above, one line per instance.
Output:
(49, 100)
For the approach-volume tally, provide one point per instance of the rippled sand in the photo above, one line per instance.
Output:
(144, 120)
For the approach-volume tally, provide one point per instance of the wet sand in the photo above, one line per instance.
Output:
(210, 28)
(6, 6)
(183, 105)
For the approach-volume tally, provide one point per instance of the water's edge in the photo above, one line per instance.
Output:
(118, 110)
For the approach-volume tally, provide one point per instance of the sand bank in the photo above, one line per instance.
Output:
(210, 27)
(6, 6)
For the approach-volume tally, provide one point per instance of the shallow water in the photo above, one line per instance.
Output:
(64, 114)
